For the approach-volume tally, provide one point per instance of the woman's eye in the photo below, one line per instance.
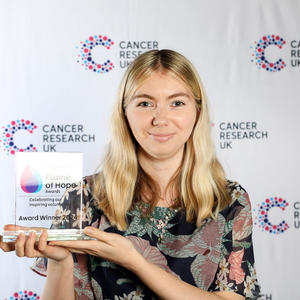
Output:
(145, 104)
(178, 103)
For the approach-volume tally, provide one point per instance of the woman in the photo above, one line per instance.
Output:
(166, 222)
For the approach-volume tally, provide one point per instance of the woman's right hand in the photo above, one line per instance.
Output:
(28, 247)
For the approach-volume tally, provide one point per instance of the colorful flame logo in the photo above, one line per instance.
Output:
(31, 181)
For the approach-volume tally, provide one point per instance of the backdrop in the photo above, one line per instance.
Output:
(61, 63)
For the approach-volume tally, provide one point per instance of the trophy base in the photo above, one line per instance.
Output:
(53, 235)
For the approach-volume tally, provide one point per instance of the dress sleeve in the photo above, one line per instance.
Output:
(236, 271)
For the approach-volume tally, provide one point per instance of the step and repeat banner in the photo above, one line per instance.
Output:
(60, 67)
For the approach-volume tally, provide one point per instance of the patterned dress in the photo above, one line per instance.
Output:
(217, 256)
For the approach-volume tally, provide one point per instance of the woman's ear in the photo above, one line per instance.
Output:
(124, 111)
(198, 112)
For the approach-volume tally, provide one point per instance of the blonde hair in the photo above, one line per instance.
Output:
(201, 178)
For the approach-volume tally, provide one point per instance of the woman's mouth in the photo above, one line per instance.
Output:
(162, 137)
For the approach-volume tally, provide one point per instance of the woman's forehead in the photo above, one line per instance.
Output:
(156, 77)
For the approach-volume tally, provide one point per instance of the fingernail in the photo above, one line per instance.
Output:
(88, 230)
(20, 236)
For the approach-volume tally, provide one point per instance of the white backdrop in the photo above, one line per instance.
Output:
(42, 81)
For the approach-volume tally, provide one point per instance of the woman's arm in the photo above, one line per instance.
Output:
(120, 250)
(59, 283)
(170, 287)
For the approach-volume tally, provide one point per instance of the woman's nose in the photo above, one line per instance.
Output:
(160, 116)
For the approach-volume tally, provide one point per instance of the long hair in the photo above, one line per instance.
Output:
(200, 179)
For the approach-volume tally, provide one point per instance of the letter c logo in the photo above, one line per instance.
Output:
(260, 57)
(8, 136)
(85, 56)
(263, 215)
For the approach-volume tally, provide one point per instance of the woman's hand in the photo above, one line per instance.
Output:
(110, 246)
(27, 246)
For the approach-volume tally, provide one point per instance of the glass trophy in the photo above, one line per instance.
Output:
(48, 195)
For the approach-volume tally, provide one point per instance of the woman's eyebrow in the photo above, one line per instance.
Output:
(142, 96)
(181, 94)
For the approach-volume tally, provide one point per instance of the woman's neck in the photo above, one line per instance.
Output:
(161, 171)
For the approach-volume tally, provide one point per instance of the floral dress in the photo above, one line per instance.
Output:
(217, 256)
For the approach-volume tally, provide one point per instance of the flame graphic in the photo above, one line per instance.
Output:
(31, 181)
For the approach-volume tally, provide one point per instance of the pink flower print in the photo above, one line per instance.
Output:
(150, 253)
(104, 223)
(242, 226)
(95, 224)
(235, 271)
(161, 224)
(144, 210)
(82, 284)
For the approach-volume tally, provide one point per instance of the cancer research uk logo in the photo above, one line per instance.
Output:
(24, 295)
(230, 133)
(263, 220)
(262, 60)
(8, 132)
(259, 55)
(86, 58)
(263, 215)
(123, 52)
(44, 137)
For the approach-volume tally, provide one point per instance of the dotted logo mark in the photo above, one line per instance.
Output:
(85, 57)
(24, 295)
(262, 218)
(259, 56)
(7, 137)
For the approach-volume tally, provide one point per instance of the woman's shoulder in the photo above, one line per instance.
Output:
(92, 182)
(91, 179)
(239, 197)
(88, 187)
(90, 190)
(88, 182)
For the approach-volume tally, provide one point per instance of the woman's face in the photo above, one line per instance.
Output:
(161, 115)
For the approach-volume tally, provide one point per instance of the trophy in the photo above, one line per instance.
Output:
(48, 195)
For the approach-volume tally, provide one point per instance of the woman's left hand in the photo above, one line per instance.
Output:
(110, 246)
